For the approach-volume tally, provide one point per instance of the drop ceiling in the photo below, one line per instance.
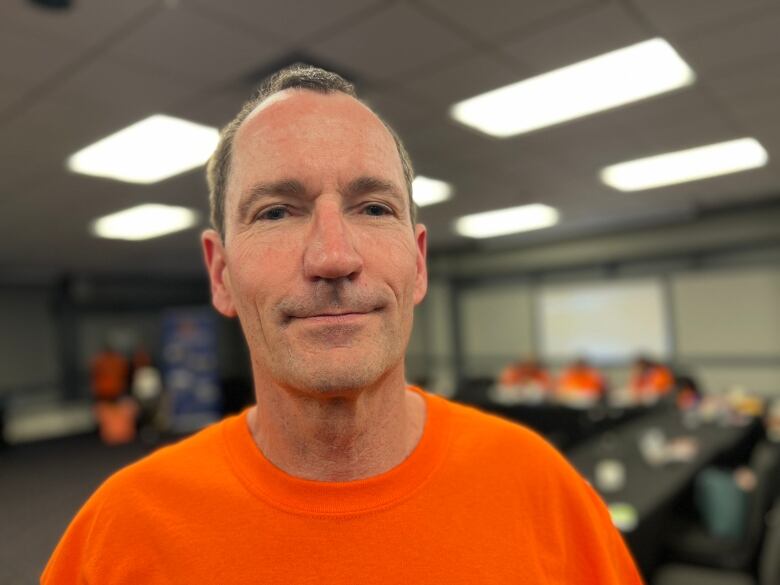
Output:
(68, 78)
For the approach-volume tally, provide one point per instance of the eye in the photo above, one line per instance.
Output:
(376, 210)
(274, 213)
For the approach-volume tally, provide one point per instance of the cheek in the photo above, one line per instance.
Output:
(394, 261)
(260, 270)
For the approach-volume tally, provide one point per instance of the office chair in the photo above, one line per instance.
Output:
(768, 569)
(691, 543)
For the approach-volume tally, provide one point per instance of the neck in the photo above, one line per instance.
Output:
(337, 437)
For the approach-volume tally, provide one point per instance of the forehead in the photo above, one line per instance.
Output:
(308, 135)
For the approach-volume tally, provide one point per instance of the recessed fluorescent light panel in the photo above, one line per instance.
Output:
(501, 222)
(148, 151)
(686, 165)
(607, 81)
(144, 222)
(427, 191)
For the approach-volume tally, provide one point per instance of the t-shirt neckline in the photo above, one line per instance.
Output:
(311, 497)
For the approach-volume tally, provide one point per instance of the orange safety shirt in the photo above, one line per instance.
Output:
(479, 500)
(519, 375)
(109, 375)
(584, 381)
(655, 381)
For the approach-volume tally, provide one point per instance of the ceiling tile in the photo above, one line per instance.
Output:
(735, 43)
(748, 85)
(291, 21)
(85, 24)
(447, 144)
(406, 114)
(729, 190)
(126, 86)
(756, 114)
(491, 19)
(463, 79)
(397, 40)
(674, 121)
(192, 47)
(215, 108)
(587, 143)
(38, 141)
(29, 60)
(601, 29)
(10, 93)
(673, 16)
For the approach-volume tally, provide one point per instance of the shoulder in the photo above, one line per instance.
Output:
(501, 446)
(518, 467)
(139, 500)
(488, 431)
(194, 458)
(163, 478)
(517, 470)
(113, 517)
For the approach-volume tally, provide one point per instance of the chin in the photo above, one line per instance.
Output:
(327, 375)
(315, 370)
(338, 380)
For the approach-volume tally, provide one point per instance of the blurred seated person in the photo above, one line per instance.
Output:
(114, 411)
(529, 373)
(109, 374)
(580, 383)
(649, 380)
(523, 380)
(687, 395)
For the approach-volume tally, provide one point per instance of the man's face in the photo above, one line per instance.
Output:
(320, 261)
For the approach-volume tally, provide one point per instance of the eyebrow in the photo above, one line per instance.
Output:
(363, 185)
(293, 187)
(285, 187)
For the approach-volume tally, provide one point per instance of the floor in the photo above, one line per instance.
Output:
(42, 485)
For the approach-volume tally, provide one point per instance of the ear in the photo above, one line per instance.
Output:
(421, 242)
(216, 265)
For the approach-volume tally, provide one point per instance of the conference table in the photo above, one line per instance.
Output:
(651, 490)
(565, 426)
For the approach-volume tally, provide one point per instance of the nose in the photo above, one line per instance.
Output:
(330, 251)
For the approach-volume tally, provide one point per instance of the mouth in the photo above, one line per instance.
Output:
(335, 318)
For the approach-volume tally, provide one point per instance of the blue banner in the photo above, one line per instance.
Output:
(190, 368)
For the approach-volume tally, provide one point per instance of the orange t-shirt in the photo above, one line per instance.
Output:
(479, 500)
(520, 375)
(586, 381)
(657, 381)
(109, 375)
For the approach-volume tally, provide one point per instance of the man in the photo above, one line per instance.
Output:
(649, 380)
(580, 381)
(527, 372)
(109, 374)
(340, 473)
(114, 410)
(525, 380)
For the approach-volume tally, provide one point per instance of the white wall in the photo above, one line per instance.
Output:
(728, 312)
(725, 324)
(431, 352)
(728, 327)
(497, 327)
